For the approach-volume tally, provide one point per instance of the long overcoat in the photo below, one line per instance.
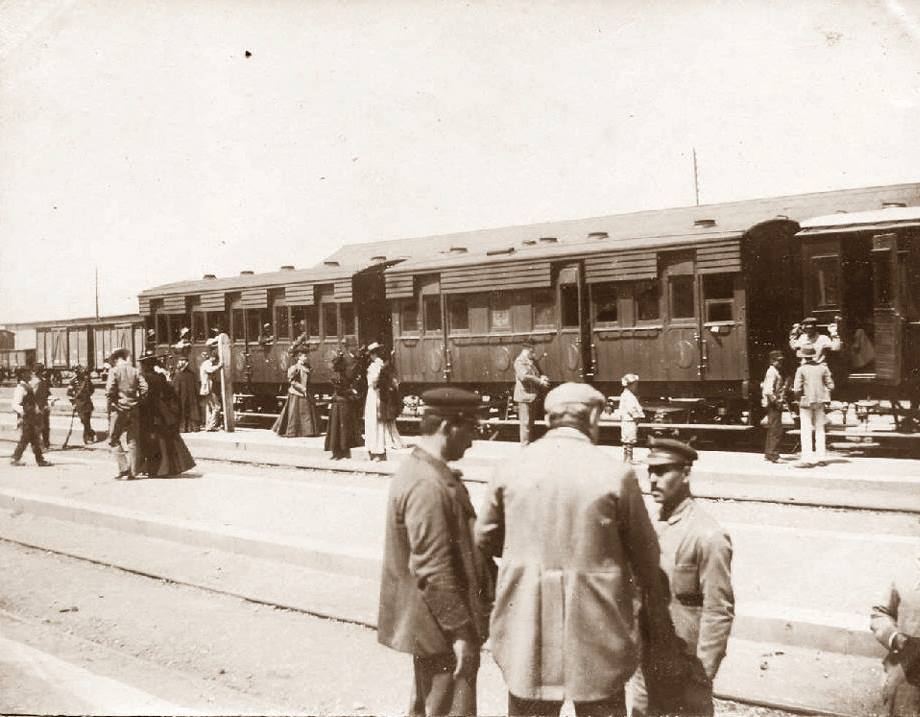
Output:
(577, 547)
(433, 581)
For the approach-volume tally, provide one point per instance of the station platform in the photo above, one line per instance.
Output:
(312, 541)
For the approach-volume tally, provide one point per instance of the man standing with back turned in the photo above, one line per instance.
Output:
(124, 390)
(576, 545)
(434, 594)
(696, 555)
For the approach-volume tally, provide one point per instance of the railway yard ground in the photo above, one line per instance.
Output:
(249, 584)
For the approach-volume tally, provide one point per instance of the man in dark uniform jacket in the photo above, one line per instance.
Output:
(42, 390)
(81, 396)
(696, 555)
(434, 595)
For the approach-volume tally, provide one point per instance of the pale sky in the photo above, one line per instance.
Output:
(137, 137)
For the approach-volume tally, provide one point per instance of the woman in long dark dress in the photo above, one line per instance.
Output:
(342, 433)
(162, 450)
(298, 417)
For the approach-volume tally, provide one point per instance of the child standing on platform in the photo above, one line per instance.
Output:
(630, 412)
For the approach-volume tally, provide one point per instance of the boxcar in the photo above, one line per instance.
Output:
(61, 346)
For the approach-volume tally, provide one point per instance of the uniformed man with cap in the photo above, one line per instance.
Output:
(577, 547)
(434, 591)
(696, 555)
(806, 334)
(528, 381)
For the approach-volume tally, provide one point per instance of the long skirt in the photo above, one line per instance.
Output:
(378, 435)
(342, 433)
(298, 418)
(164, 453)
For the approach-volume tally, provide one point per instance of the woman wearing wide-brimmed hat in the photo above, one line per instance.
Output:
(298, 417)
(381, 407)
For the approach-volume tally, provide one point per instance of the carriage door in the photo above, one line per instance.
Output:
(683, 328)
(574, 341)
(886, 311)
(432, 344)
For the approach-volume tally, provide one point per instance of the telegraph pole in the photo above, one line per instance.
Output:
(696, 179)
(97, 291)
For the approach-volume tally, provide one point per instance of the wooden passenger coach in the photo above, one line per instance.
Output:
(691, 299)
(323, 297)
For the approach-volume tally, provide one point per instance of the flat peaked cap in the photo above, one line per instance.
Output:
(776, 355)
(809, 320)
(667, 452)
(572, 393)
(451, 403)
(149, 355)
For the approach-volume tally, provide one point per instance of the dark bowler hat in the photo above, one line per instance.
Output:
(776, 355)
(668, 452)
(149, 355)
(452, 403)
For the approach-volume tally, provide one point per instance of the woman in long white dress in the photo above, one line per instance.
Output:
(380, 410)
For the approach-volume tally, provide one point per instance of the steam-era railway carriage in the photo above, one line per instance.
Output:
(691, 299)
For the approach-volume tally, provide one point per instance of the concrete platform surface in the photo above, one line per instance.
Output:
(790, 561)
(845, 482)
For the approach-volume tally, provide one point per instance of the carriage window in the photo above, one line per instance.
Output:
(648, 300)
(282, 322)
(568, 303)
(544, 309)
(237, 324)
(458, 314)
(408, 318)
(500, 312)
(254, 320)
(432, 313)
(682, 304)
(825, 277)
(308, 315)
(179, 322)
(606, 297)
(909, 281)
(330, 321)
(162, 329)
(348, 319)
(217, 320)
(199, 326)
(718, 296)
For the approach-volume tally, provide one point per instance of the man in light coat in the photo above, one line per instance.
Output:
(577, 547)
(28, 420)
(696, 555)
(527, 384)
(434, 588)
(209, 389)
(124, 389)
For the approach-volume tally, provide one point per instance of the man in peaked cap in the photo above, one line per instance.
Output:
(528, 382)
(570, 526)
(696, 555)
(434, 594)
(772, 390)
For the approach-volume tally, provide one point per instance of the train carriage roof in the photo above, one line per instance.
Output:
(730, 217)
(327, 272)
(874, 220)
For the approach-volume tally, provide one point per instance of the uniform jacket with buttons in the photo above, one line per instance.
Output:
(696, 555)
(433, 585)
(576, 546)
(899, 611)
